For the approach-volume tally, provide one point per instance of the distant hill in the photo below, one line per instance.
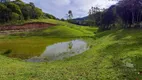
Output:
(81, 19)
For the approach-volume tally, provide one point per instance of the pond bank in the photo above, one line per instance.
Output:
(25, 27)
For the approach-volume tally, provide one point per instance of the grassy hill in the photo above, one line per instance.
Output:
(113, 55)
(32, 43)
(63, 29)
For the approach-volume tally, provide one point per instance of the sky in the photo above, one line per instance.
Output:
(60, 8)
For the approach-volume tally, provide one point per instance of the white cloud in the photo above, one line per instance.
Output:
(60, 7)
(87, 4)
(60, 2)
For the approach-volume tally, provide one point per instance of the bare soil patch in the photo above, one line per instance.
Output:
(25, 27)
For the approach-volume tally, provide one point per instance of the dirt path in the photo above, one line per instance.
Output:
(25, 27)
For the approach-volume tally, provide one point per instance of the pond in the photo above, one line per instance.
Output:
(61, 50)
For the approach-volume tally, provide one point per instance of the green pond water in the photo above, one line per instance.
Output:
(61, 50)
(38, 49)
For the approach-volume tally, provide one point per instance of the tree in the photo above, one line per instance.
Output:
(4, 13)
(62, 19)
(108, 19)
(38, 13)
(14, 16)
(70, 15)
(14, 8)
(32, 5)
(18, 10)
(26, 10)
(131, 11)
(95, 16)
(18, 0)
(126, 13)
(46, 15)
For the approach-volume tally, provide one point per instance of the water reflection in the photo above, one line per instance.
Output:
(60, 51)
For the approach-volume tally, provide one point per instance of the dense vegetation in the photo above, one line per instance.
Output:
(124, 14)
(18, 10)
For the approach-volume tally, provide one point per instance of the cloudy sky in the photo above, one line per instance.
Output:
(60, 8)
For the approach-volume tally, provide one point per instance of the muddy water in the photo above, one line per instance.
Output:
(60, 51)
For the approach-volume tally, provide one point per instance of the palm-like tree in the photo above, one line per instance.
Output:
(70, 15)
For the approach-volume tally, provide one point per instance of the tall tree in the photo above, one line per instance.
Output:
(70, 15)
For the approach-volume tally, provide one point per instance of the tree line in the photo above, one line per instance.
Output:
(18, 10)
(124, 14)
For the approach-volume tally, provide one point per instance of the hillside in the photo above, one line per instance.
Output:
(113, 55)
(106, 44)
(28, 43)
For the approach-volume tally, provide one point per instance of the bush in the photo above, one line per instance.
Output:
(38, 13)
(15, 16)
(49, 16)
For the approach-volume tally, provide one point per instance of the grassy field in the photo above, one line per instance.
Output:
(114, 55)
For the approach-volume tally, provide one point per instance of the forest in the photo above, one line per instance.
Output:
(18, 10)
(124, 14)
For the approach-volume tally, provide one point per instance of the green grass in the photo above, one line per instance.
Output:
(20, 22)
(105, 60)
(63, 29)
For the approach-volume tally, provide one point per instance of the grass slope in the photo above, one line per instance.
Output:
(63, 29)
(111, 56)
(28, 44)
